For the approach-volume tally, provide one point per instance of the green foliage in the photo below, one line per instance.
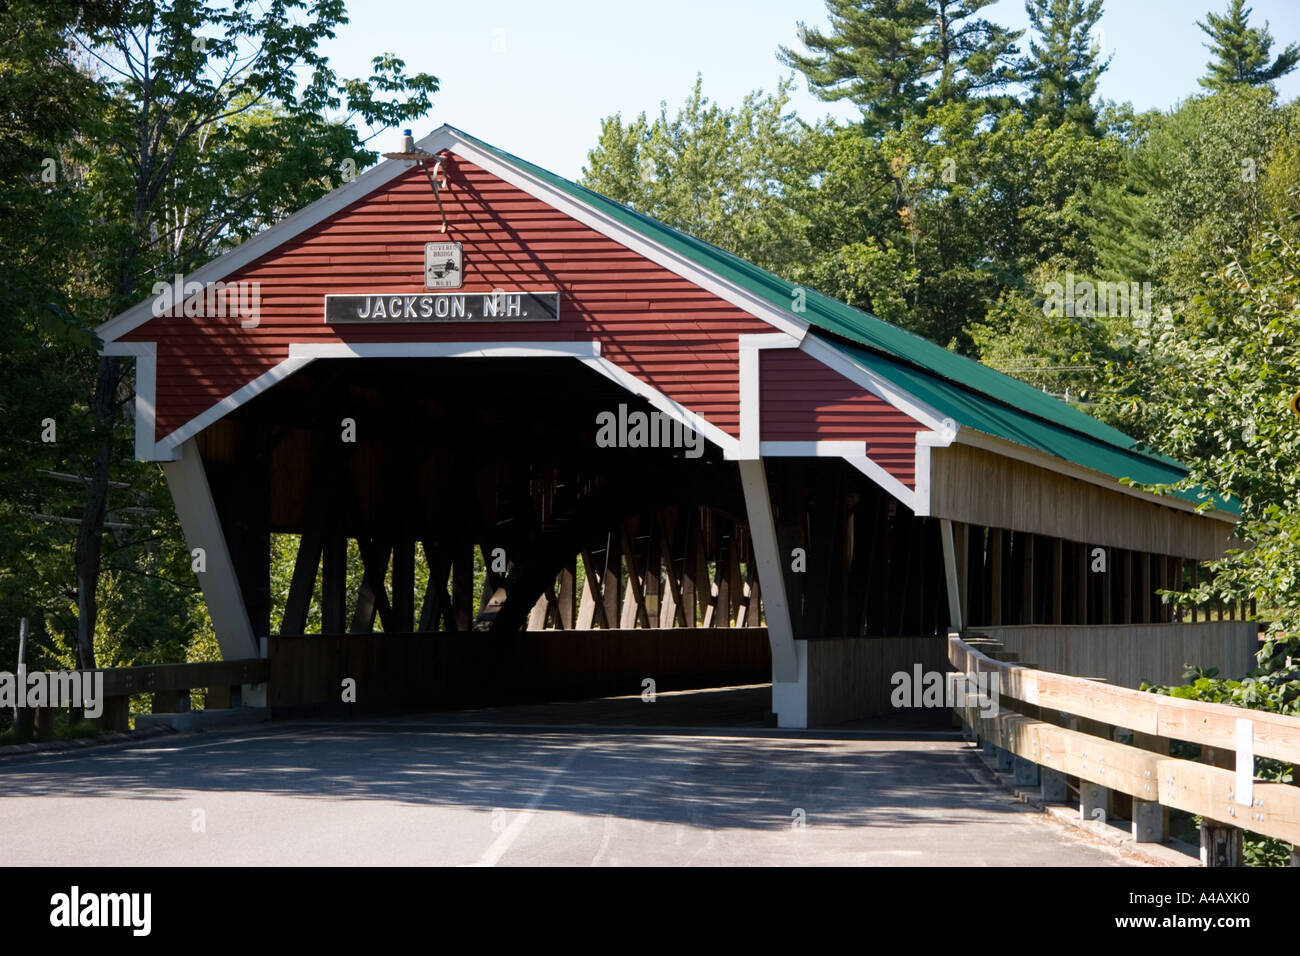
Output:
(44, 216)
(722, 175)
(925, 226)
(871, 57)
(1219, 378)
(1061, 353)
(979, 200)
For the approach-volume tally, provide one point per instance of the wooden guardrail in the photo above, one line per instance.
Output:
(152, 678)
(1055, 725)
(170, 685)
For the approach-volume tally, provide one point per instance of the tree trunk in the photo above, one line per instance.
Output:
(90, 533)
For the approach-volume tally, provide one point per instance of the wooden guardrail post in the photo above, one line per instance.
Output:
(1053, 786)
(1220, 844)
(1094, 801)
(1025, 772)
(44, 723)
(1150, 818)
(1148, 821)
(1005, 759)
(117, 714)
(171, 701)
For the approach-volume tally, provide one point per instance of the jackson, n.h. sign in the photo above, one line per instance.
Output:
(495, 306)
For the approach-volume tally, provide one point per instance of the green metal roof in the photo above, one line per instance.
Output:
(971, 393)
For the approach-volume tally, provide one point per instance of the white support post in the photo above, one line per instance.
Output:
(789, 657)
(202, 526)
(950, 572)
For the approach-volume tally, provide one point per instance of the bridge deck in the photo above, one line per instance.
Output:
(422, 791)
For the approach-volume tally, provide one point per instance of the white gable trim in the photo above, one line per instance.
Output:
(232, 401)
(884, 479)
(752, 444)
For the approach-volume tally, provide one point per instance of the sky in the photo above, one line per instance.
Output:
(537, 78)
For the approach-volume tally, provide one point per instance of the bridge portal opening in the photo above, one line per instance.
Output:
(459, 532)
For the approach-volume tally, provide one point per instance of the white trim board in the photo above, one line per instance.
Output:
(884, 479)
(752, 445)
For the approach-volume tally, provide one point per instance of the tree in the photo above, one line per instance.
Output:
(1219, 376)
(893, 58)
(927, 226)
(872, 57)
(45, 215)
(1061, 351)
(1192, 188)
(1064, 64)
(722, 175)
(1241, 52)
(182, 171)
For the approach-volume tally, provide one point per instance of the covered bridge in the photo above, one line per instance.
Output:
(607, 450)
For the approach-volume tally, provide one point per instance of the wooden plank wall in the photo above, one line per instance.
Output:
(1128, 654)
(1017, 496)
(849, 678)
(405, 671)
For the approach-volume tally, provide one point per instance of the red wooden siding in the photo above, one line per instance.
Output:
(663, 329)
(803, 400)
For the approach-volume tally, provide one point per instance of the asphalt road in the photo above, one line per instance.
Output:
(413, 792)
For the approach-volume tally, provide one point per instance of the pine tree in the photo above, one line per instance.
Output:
(1062, 70)
(871, 56)
(968, 56)
(1241, 52)
(895, 58)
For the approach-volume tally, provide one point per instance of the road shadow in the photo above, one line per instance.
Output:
(741, 779)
